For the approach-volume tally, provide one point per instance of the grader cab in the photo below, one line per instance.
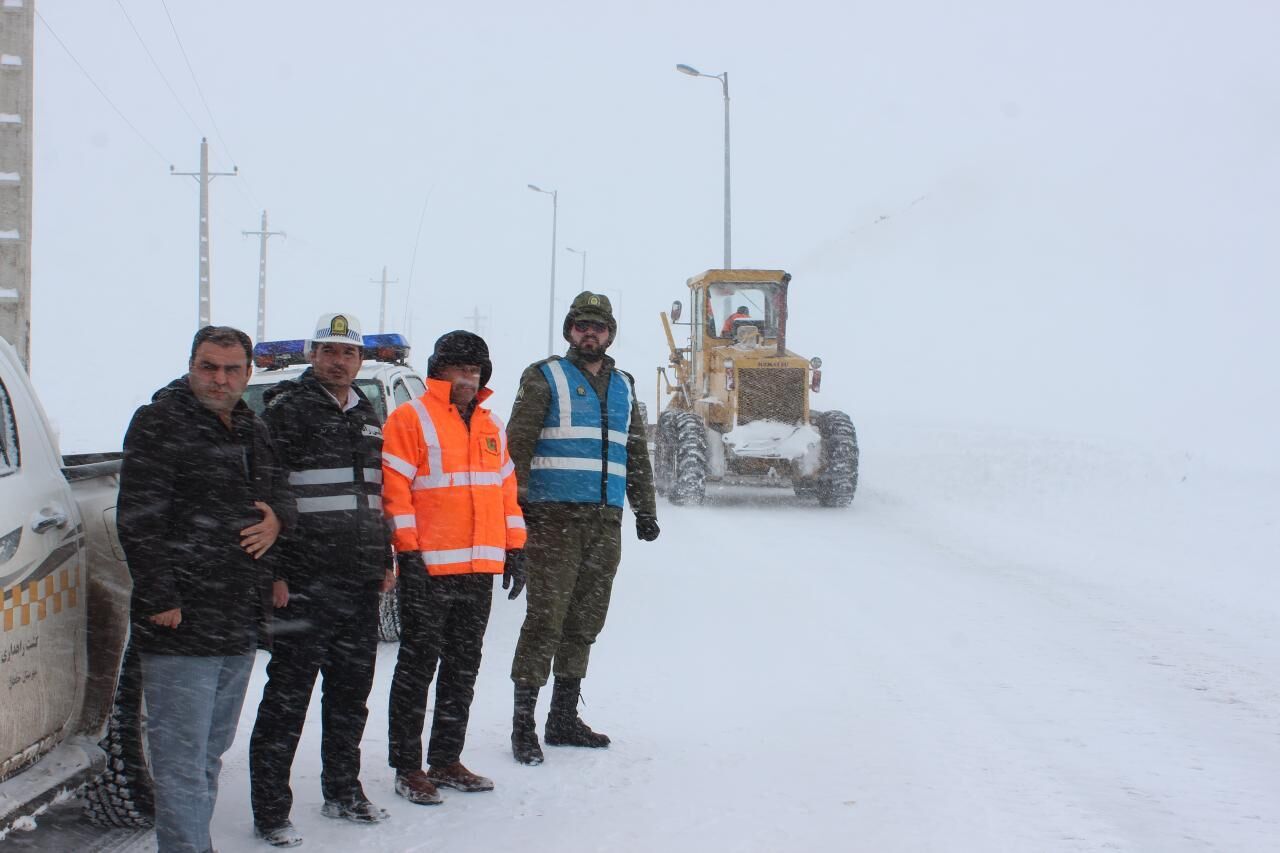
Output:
(737, 408)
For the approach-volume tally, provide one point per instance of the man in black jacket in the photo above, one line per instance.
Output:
(202, 500)
(330, 570)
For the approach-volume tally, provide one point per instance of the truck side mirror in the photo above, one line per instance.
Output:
(676, 308)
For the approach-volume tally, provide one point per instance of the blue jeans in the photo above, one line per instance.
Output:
(193, 705)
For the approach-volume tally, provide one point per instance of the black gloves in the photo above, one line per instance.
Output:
(647, 527)
(411, 562)
(513, 573)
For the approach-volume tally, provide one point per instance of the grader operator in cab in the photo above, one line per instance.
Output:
(737, 408)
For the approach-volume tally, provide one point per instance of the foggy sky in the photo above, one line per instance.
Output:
(1030, 214)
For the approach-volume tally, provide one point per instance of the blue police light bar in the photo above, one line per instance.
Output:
(273, 355)
(390, 347)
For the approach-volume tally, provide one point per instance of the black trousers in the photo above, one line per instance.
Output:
(442, 619)
(334, 635)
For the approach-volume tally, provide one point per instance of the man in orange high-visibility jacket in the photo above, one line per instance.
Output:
(449, 492)
(741, 314)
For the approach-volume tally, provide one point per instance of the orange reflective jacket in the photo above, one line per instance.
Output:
(449, 491)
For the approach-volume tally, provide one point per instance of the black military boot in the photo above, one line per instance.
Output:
(524, 727)
(564, 726)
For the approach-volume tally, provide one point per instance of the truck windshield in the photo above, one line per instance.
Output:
(732, 305)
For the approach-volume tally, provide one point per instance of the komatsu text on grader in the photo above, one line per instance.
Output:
(738, 408)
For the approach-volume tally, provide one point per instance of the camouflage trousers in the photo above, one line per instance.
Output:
(573, 553)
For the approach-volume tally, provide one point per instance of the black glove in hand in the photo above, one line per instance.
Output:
(647, 527)
(513, 573)
(411, 562)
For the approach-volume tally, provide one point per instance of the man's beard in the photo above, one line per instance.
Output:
(596, 353)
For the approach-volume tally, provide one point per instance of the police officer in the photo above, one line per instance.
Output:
(334, 563)
(578, 443)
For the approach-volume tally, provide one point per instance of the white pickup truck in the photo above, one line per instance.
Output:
(65, 620)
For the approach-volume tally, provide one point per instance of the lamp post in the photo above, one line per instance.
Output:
(582, 252)
(551, 310)
(724, 82)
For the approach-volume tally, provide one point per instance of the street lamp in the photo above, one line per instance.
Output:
(551, 310)
(582, 252)
(724, 82)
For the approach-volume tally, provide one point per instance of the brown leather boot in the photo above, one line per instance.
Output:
(564, 726)
(415, 787)
(459, 778)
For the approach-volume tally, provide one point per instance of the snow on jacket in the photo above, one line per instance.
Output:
(187, 489)
(449, 490)
(334, 464)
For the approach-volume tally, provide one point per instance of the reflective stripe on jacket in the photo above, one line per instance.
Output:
(449, 491)
(334, 460)
(581, 454)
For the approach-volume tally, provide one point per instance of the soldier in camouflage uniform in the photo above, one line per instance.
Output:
(577, 439)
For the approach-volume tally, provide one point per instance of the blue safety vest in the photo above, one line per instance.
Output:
(580, 457)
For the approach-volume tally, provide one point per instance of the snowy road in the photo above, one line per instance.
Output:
(1006, 644)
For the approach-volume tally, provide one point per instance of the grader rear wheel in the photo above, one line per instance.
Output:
(664, 456)
(681, 464)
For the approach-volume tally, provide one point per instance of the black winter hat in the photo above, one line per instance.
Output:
(460, 347)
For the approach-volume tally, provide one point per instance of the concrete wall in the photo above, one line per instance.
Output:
(17, 28)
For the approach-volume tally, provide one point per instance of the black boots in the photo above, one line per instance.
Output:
(524, 728)
(564, 726)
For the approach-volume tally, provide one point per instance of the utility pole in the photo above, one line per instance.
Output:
(203, 177)
(17, 46)
(382, 304)
(263, 236)
(475, 317)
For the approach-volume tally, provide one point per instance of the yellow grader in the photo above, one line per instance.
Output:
(737, 408)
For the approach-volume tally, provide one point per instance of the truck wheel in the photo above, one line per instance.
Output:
(690, 484)
(123, 795)
(389, 616)
(664, 456)
(838, 478)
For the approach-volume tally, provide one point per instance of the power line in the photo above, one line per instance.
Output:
(159, 71)
(110, 103)
(408, 291)
(191, 69)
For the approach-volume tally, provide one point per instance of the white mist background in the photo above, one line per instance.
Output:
(1057, 218)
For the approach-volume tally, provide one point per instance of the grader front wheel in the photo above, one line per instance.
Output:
(838, 477)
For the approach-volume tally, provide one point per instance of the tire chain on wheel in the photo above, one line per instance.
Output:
(664, 453)
(839, 476)
(690, 458)
(123, 796)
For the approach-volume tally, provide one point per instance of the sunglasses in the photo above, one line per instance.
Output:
(589, 326)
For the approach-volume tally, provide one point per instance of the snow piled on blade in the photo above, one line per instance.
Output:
(772, 439)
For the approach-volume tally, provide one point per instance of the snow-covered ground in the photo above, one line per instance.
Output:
(1009, 642)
